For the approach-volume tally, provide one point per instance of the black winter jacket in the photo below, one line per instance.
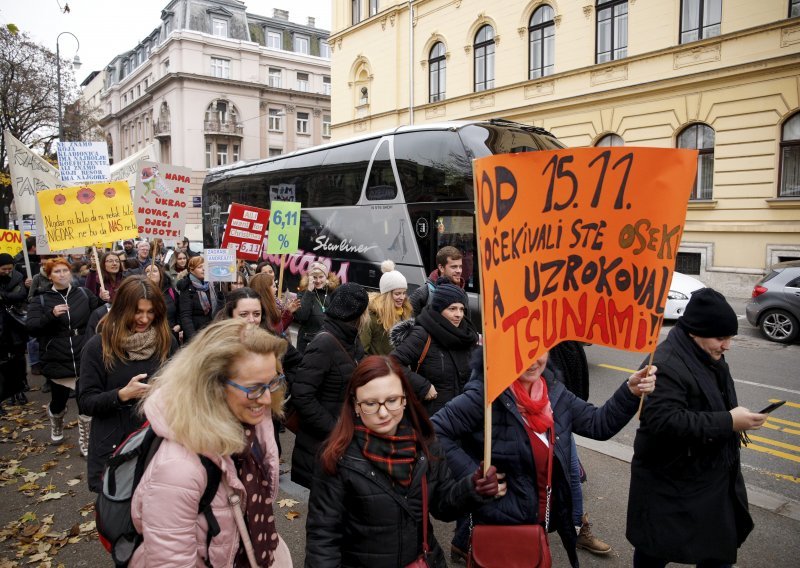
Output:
(459, 428)
(318, 390)
(12, 294)
(190, 310)
(446, 365)
(310, 315)
(688, 500)
(61, 339)
(358, 518)
(112, 419)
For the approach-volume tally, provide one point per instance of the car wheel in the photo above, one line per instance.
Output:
(780, 326)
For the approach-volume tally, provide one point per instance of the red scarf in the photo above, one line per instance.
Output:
(534, 407)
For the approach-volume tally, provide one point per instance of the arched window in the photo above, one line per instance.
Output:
(612, 30)
(790, 158)
(610, 140)
(484, 59)
(437, 73)
(700, 137)
(541, 41)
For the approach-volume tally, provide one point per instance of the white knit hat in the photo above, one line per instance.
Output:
(391, 279)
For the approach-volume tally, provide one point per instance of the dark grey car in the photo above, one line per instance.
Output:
(775, 307)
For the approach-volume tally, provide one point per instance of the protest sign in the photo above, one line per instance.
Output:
(85, 215)
(30, 173)
(245, 230)
(220, 265)
(10, 242)
(576, 244)
(284, 227)
(161, 200)
(128, 168)
(83, 161)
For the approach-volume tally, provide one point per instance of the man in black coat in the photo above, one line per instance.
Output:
(688, 501)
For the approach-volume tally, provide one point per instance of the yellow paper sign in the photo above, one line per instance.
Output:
(11, 242)
(87, 215)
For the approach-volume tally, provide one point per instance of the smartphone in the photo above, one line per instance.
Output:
(290, 296)
(772, 407)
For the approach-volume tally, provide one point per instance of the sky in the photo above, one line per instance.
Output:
(106, 28)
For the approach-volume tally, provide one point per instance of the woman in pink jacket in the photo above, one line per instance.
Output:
(216, 397)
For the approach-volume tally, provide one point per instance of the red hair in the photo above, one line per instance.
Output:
(370, 368)
(50, 264)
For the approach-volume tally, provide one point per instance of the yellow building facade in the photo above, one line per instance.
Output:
(722, 76)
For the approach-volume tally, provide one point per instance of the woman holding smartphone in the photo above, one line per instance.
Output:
(316, 287)
(132, 343)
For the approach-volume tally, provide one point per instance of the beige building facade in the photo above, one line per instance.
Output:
(213, 85)
(722, 76)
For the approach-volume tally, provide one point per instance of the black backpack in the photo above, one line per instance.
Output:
(121, 477)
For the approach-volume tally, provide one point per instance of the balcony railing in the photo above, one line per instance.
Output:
(217, 127)
(161, 129)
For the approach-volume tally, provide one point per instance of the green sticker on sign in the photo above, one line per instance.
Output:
(284, 227)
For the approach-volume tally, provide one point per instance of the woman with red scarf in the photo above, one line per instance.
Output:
(366, 506)
(535, 412)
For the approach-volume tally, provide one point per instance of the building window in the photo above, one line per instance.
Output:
(222, 154)
(355, 9)
(612, 30)
(326, 125)
(235, 152)
(165, 66)
(700, 19)
(325, 48)
(326, 85)
(219, 27)
(373, 7)
(790, 158)
(794, 8)
(275, 122)
(301, 44)
(274, 77)
(124, 99)
(275, 40)
(302, 81)
(302, 123)
(209, 155)
(700, 137)
(146, 83)
(688, 263)
(437, 73)
(220, 68)
(541, 41)
(275, 152)
(610, 140)
(484, 59)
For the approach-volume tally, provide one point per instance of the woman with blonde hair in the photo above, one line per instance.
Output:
(386, 309)
(315, 287)
(215, 398)
(133, 341)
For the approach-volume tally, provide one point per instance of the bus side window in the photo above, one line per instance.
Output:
(433, 166)
(339, 180)
(381, 185)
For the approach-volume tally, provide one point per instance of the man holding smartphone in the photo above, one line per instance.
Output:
(688, 502)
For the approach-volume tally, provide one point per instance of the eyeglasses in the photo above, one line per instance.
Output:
(257, 391)
(112, 261)
(391, 404)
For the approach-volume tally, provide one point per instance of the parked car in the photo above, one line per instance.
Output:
(680, 290)
(775, 306)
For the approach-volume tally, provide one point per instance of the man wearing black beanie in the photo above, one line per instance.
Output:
(688, 502)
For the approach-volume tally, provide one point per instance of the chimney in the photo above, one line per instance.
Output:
(280, 14)
(311, 21)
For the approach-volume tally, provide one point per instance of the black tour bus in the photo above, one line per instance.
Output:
(400, 194)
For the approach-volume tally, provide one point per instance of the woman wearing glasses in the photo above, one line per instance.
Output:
(111, 271)
(214, 398)
(366, 504)
(133, 341)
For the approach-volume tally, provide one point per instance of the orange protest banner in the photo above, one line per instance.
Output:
(576, 244)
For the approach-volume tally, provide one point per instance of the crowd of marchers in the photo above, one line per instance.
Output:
(384, 392)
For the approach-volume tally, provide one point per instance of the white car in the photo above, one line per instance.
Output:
(680, 290)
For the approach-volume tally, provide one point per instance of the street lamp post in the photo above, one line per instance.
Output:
(76, 64)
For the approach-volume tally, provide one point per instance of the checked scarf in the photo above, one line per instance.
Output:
(395, 455)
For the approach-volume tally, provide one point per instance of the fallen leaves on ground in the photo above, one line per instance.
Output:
(292, 515)
(287, 503)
